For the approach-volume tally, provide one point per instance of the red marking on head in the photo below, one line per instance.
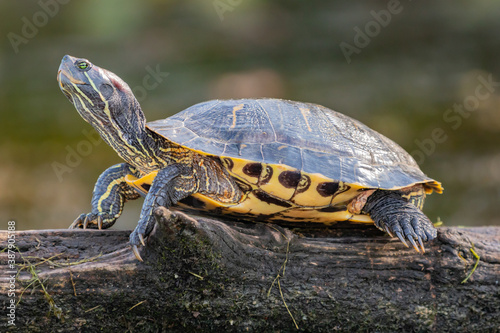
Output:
(118, 84)
(115, 80)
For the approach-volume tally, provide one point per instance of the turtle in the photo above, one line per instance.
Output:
(264, 159)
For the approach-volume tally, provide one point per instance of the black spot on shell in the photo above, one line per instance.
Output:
(304, 183)
(289, 179)
(252, 169)
(193, 202)
(266, 176)
(229, 163)
(327, 189)
(263, 196)
(345, 188)
(332, 209)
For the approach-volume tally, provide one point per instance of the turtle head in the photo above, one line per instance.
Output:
(107, 103)
(100, 96)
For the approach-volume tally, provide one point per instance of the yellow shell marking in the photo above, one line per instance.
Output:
(270, 195)
(236, 108)
(274, 187)
(141, 184)
(312, 197)
(305, 112)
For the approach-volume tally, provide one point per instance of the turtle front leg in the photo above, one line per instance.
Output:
(173, 183)
(110, 194)
(398, 217)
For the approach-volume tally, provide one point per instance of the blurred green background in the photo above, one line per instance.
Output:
(405, 69)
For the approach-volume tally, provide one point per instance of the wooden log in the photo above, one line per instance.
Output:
(208, 275)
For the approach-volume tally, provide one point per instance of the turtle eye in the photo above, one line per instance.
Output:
(83, 65)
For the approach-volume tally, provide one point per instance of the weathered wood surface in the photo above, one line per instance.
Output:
(206, 275)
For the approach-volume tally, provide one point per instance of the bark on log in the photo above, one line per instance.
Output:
(208, 275)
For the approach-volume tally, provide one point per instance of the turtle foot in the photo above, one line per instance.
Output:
(398, 217)
(414, 229)
(93, 221)
(169, 226)
(144, 228)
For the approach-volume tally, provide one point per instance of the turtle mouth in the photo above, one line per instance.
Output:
(64, 83)
(63, 75)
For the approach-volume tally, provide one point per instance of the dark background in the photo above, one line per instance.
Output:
(408, 71)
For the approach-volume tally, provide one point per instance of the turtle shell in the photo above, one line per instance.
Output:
(299, 136)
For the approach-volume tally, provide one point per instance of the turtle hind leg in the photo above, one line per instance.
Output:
(395, 215)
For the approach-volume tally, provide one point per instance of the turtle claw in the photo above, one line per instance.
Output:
(401, 238)
(86, 222)
(412, 241)
(136, 252)
(141, 238)
(389, 231)
(93, 221)
(76, 222)
(140, 233)
(137, 240)
(421, 244)
(413, 232)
